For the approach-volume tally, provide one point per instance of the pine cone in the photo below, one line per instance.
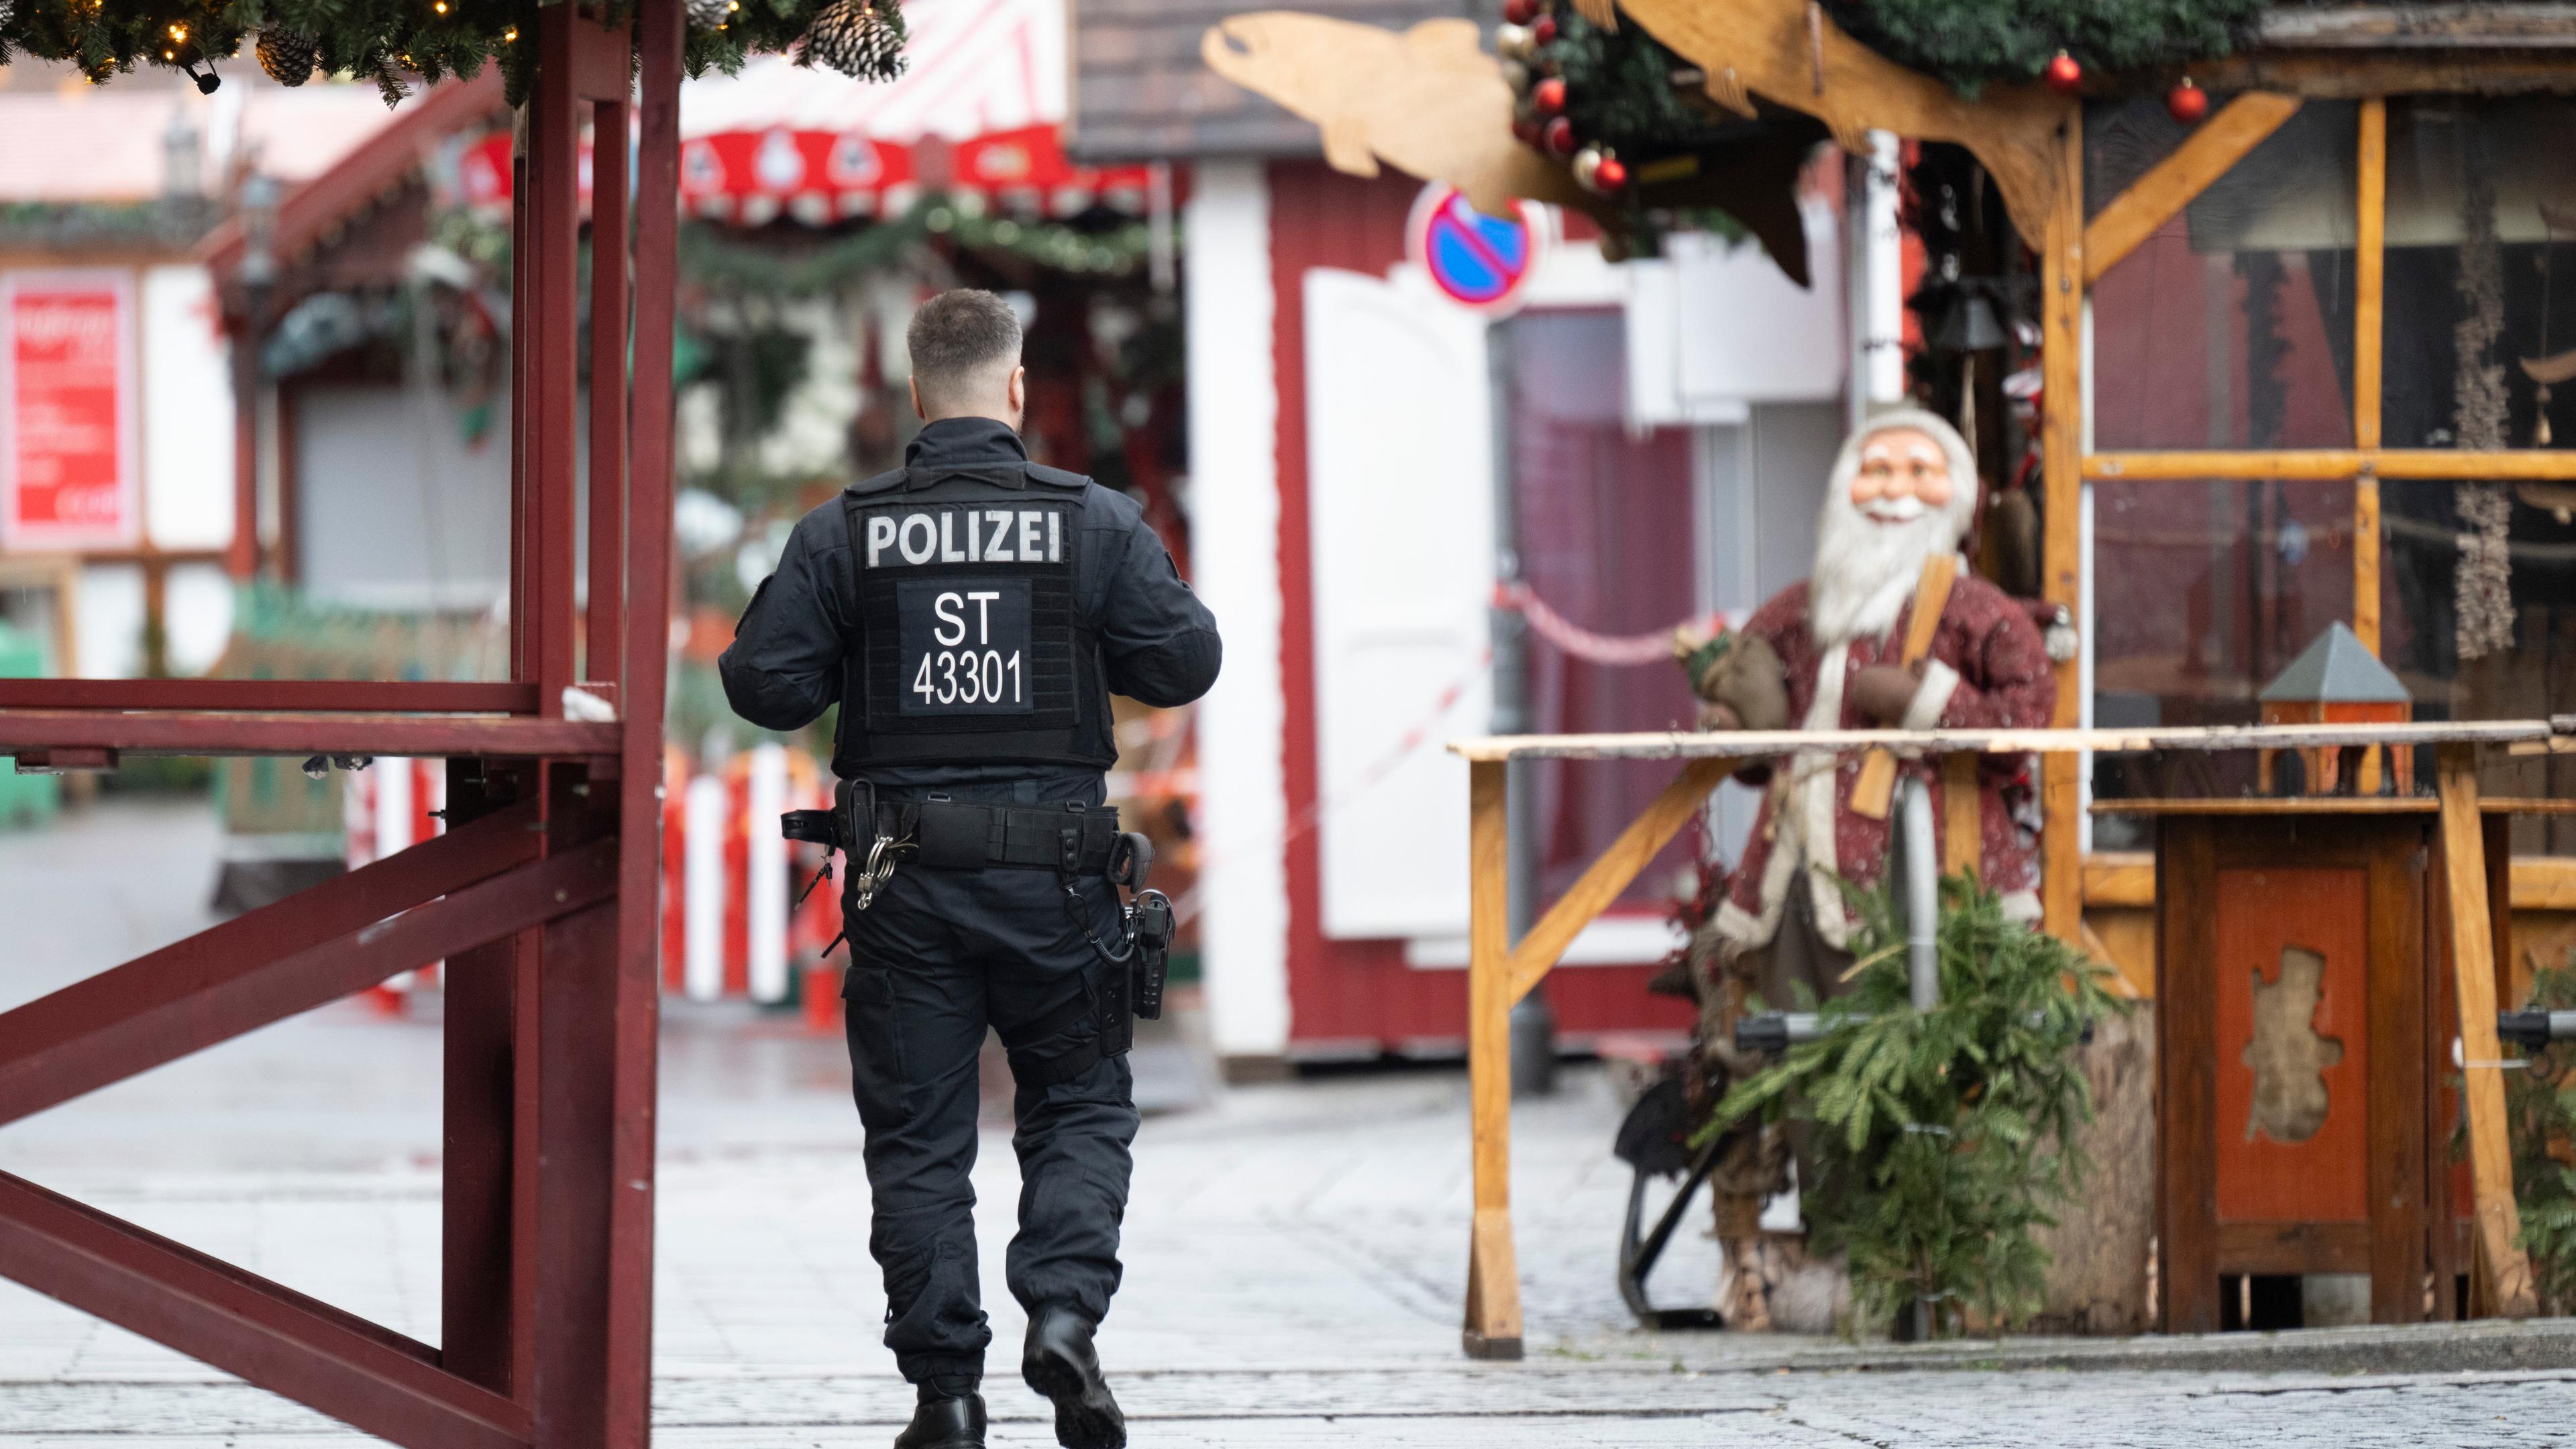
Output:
(288, 56)
(861, 38)
(708, 14)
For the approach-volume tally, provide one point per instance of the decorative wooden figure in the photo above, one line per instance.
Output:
(2338, 681)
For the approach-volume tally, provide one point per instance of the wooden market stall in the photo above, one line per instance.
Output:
(2278, 306)
(1502, 971)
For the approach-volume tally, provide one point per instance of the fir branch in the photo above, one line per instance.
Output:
(1946, 1136)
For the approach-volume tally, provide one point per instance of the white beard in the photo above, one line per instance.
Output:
(1866, 570)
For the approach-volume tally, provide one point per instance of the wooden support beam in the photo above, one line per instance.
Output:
(603, 631)
(2443, 465)
(1493, 1327)
(2173, 183)
(243, 973)
(2062, 273)
(366, 1376)
(2370, 278)
(2499, 1223)
(636, 1019)
(270, 696)
(1703, 744)
(1601, 883)
(170, 732)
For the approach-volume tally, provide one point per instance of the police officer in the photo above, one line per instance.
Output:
(971, 613)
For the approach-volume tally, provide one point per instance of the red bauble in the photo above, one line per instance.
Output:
(2188, 103)
(1559, 137)
(1549, 95)
(1610, 176)
(1519, 12)
(1543, 29)
(1525, 130)
(2064, 75)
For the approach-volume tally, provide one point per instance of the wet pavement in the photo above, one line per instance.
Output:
(1296, 1251)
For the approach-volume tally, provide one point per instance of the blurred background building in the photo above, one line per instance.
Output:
(1353, 409)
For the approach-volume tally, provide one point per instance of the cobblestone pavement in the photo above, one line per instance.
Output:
(1296, 1252)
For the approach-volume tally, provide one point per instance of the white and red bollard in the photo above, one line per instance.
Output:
(730, 924)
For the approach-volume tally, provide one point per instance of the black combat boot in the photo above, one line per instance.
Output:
(944, 1421)
(1059, 1363)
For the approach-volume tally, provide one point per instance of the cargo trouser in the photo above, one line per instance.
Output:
(937, 958)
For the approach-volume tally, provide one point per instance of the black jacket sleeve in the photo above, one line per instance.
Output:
(783, 668)
(1157, 640)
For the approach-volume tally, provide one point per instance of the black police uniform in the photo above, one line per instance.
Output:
(971, 613)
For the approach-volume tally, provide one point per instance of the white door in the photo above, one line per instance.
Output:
(1400, 487)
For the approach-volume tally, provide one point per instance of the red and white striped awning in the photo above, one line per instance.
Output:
(980, 111)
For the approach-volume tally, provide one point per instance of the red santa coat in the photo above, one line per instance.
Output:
(1988, 669)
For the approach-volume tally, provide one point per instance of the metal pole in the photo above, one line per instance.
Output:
(1921, 874)
(1533, 1020)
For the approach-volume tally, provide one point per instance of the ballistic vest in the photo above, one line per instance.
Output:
(970, 647)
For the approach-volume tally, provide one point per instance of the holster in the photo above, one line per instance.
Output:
(1153, 953)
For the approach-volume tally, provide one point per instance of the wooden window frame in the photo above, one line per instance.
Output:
(2078, 254)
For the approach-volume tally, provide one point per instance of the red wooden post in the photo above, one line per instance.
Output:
(636, 1023)
(607, 388)
(547, 389)
(485, 1320)
(523, 177)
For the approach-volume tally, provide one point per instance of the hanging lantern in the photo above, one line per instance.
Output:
(2188, 103)
(2064, 74)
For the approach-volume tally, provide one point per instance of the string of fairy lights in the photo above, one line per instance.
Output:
(401, 43)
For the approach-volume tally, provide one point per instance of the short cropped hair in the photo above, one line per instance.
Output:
(963, 343)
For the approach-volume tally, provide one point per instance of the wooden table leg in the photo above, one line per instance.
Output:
(1493, 1328)
(2501, 1264)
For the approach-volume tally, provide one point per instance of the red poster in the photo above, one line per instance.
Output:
(67, 452)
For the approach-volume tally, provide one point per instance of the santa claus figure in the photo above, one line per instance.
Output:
(1903, 491)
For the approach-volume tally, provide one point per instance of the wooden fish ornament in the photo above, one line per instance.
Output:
(1431, 103)
(1428, 102)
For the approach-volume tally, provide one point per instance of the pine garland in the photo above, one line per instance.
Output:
(1619, 89)
(1942, 1138)
(1972, 43)
(395, 43)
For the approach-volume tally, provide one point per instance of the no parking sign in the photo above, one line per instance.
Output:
(1477, 260)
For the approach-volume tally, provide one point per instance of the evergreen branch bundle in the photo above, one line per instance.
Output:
(2540, 1115)
(397, 42)
(1942, 1140)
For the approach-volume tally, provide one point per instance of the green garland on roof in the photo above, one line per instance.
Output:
(391, 42)
(1971, 43)
(721, 258)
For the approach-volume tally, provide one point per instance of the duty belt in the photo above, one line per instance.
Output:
(941, 834)
(1073, 840)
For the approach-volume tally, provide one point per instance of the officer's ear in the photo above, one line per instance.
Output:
(1019, 393)
(918, 410)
